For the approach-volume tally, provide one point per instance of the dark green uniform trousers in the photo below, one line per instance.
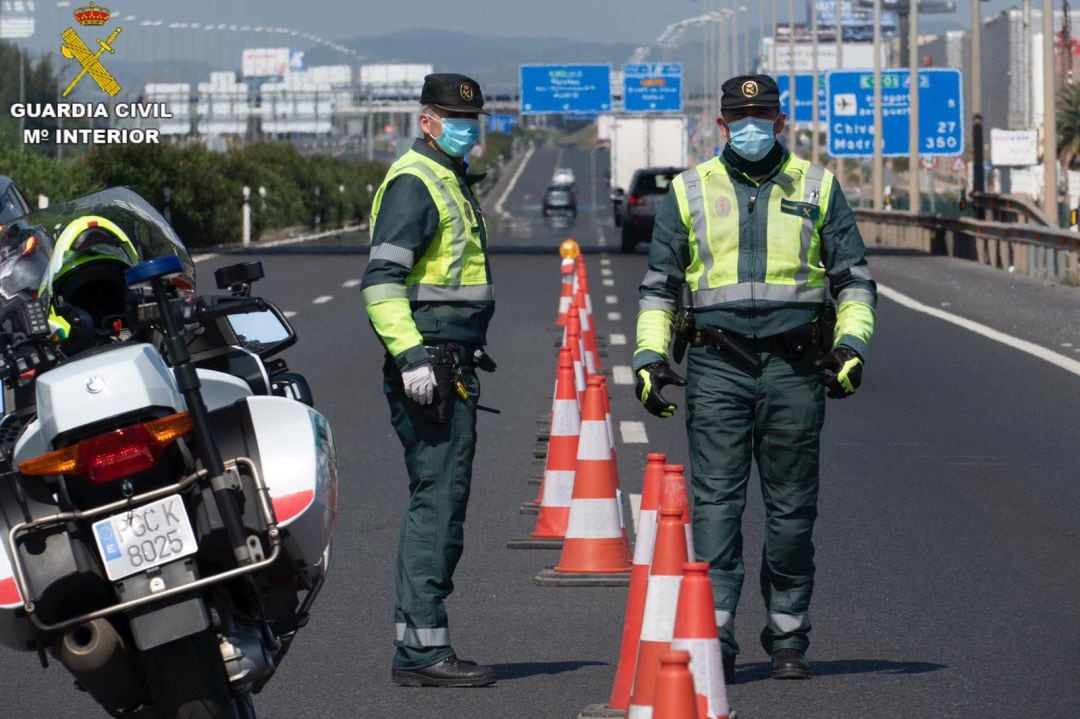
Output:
(776, 415)
(439, 460)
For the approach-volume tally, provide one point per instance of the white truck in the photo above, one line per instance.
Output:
(638, 142)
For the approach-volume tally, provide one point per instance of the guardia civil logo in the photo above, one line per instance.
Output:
(73, 48)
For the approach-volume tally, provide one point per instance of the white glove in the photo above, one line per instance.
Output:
(419, 383)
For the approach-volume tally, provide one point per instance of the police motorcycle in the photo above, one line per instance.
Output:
(167, 492)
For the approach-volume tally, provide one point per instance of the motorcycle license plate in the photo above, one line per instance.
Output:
(149, 535)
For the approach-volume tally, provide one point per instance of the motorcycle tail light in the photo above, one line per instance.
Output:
(114, 455)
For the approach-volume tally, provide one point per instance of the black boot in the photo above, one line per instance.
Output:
(728, 660)
(790, 664)
(450, 672)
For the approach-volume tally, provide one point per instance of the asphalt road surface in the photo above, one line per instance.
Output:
(947, 544)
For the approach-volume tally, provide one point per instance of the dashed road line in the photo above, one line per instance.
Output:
(203, 258)
(635, 509)
(609, 283)
(322, 299)
(614, 316)
(1059, 360)
(513, 182)
(604, 262)
(633, 433)
(622, 374)
(350, 283)
(617, 339)
(289, 314)
(611, 299)
(607, 271)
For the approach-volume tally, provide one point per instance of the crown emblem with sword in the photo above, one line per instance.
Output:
(74, 48)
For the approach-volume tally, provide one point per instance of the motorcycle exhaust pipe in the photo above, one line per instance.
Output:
(104, 665)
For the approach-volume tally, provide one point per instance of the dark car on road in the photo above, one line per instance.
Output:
(560, 197)
(636, 211)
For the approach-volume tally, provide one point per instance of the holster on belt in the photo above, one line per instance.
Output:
(444, 360)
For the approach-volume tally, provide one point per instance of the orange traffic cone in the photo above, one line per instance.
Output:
(639, 580)
(573, 342)
(695, 632)
(558, 485)
(567, 294)
(588, 328)
(595, 551)
(661, 601)
(675, 688)
(675, 483)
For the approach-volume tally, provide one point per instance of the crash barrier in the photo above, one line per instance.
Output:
(1009, 208)
(1035, 251)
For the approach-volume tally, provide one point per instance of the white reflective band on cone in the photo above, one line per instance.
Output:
(565, 421)
(619, 504)
(558, 488)
(594, 443)
(690, 542)
(586, 317)
(785, 623)
(661, 601)
(593, 519)
(707, 669)
(646, 537)
(637, 712)
(579, 377)
(564, 305)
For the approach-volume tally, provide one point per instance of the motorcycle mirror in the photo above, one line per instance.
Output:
(264, 333)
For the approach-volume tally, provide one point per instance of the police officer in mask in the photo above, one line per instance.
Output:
(767, 249)
(429, 297)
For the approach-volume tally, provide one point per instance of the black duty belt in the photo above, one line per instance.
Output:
(772, 343)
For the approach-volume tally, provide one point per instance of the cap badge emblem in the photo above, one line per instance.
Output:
(466, 92)
(749, 89)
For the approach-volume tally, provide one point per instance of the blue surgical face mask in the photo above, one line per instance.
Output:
(458, 135)
(752, 137)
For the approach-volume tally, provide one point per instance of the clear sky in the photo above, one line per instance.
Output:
(636, 21)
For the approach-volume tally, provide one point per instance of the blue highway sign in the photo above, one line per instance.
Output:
(652, 87)
(851, 117)
(501, 123)
(804, 111)
(565, 89)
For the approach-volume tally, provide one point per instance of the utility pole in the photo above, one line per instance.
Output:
(838, 27)
(879, 141)
(793, 134)
(1050, 194)
(761, 33)
(1029, 103)
(914, 197)
(772, 64)
(815, 146)
(733, 36)
(978, 174)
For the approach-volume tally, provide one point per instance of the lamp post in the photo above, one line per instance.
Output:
(793, 134)
(877, 169)
(814, 92)
(914, 201)
(1050, 193)
(772, 63)
(838, 29)
(978, 177)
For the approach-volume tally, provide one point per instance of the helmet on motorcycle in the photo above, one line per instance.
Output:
(84, 283)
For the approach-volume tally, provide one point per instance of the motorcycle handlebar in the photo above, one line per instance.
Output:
(246, 305)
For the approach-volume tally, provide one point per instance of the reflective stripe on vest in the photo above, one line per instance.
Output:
(454, 266)
(785, 269)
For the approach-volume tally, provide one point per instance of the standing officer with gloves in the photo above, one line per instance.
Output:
(428, 294)
(752, 236)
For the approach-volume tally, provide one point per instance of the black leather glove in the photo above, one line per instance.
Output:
(842, 373)
(651, 379)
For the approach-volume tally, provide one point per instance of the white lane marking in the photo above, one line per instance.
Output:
(617, 339)
(350, 283)
(609, 283)
(633, 433)
(1059, 360)
(605, 261)
(288, 314)
(611, 299)
(513, 182)
(322, 299)
(635, 510)
(607, 271)
(1066, 344)
(614, 316)
(622, 374)
(203, 258)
